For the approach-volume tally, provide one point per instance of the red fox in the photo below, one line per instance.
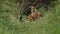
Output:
(34, 16)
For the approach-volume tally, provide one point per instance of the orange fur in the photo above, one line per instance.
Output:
(33, 7)
(33, 16)
(30, 17)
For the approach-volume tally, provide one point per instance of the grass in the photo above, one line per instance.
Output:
(49, 24)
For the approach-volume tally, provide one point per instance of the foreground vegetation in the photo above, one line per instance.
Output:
(9, 24)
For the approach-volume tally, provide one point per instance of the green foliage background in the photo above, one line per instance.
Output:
(9, 24)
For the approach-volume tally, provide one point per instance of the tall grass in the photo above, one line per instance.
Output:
(49, 24)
